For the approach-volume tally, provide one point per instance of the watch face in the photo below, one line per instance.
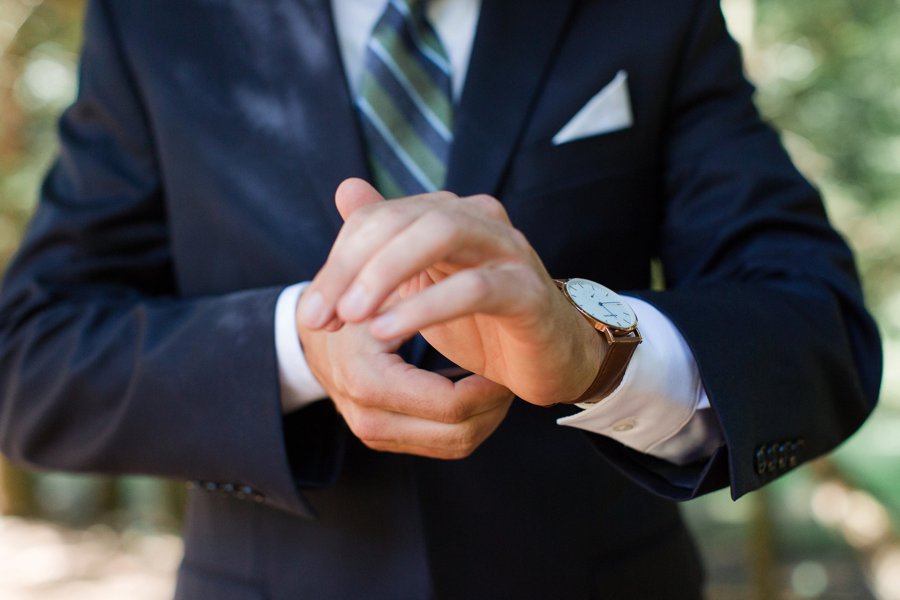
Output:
(601, 303)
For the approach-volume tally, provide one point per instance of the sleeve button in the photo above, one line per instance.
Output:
(760, 460)
(771, 458)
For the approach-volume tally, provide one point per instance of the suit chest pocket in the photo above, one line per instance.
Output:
(541, 167)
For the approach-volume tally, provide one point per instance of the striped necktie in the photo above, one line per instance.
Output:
(405, 102)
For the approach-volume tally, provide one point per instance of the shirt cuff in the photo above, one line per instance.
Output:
(299, 386)
(660, 407)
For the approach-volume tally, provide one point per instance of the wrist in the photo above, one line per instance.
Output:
(591, 354)
(615, 327)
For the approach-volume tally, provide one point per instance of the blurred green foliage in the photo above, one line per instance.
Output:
(829, 76)
(828, 73)
(38, 46)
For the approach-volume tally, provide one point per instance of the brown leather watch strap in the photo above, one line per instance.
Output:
(612, 369)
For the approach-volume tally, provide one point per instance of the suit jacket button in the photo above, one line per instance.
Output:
(760, 460)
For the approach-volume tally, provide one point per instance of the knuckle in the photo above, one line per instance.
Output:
(444, 196)
(478, 284)
(442, 225)
(466, 440)
(466, 446)
(519, 241)
(366, 426)
(355, 391)
(452, 414)
(490, 206)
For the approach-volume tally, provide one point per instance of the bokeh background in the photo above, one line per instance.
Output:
(828, 73)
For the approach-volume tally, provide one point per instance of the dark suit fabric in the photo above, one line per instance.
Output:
(195, 180)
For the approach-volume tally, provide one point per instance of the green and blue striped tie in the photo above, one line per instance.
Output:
(405, 102)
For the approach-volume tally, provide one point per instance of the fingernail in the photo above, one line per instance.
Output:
(312, 310)
(386, 325)
(354, 303)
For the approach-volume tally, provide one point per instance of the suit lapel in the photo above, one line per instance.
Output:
(331, 146)
(514, 45)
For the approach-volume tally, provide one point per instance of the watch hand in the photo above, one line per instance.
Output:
(609, 312)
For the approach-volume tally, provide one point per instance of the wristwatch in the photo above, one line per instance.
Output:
(614, 319)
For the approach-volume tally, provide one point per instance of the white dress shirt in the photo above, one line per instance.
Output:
(660, 407)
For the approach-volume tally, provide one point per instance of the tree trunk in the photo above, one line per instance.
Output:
(16, 490)
(762, 552)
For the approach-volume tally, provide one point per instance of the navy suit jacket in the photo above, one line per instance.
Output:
(195, 180)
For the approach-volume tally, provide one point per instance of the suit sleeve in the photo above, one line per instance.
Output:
(762, 288)
(104, 367)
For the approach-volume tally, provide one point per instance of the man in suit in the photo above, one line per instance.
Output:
(142, 325)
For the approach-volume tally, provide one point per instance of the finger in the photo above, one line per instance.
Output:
(435, 237)
(362, 236)
(357, 241)
(315, 310)
(392, 385)
(486, 206)
(400, 433)
(352, 194)
(509, 290)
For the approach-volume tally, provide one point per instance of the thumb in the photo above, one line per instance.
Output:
(353, 194)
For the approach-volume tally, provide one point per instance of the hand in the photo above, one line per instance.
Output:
(393, 406)
(463, 276)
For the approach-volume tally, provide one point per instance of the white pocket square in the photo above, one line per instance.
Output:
(609, 110)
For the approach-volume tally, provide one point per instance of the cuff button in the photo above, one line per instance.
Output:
(625, 425)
